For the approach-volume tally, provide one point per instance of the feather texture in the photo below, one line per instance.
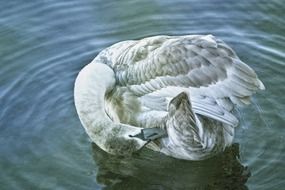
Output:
(151, 72)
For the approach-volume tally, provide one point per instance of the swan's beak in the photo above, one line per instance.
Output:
(149, 134)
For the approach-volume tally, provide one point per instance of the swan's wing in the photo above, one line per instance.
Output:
(206, 65)
(208, 106)
(203, 105)
(203, 64)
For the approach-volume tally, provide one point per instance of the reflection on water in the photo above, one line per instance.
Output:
(151, 170)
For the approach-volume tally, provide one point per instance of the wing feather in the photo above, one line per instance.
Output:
(205, 66)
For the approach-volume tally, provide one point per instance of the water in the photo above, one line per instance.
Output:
(44, 44)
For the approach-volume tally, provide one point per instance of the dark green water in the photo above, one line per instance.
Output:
(44, 44)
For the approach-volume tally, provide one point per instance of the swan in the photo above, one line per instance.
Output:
(171, 94)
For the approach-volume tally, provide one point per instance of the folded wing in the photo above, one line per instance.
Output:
(156, 69)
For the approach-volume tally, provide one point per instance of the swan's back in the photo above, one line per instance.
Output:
(151, 71)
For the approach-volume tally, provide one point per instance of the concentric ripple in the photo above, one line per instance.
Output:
(44, 44)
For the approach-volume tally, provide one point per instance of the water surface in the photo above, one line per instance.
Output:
(44, 44)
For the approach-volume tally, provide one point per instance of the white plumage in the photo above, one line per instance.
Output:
(185, 85)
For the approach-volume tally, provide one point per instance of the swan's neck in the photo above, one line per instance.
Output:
(92, 84)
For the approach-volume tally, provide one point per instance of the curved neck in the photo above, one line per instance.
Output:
(92, 84)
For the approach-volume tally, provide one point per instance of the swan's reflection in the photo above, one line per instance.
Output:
(151, 170)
